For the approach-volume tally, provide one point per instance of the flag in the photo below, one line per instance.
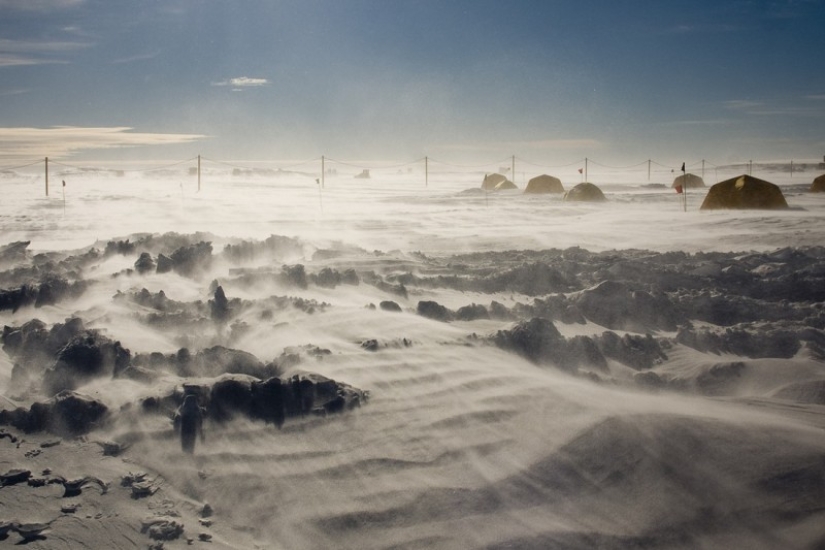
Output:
(64, 183)
(678, 188)
(581, 170)
(317, 181)
(683, 167)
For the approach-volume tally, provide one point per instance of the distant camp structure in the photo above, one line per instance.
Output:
(544, 184)
(688, 181)
(585, 192)
(364, 175)
(818, 186)
(505, 185)
(496, 182)
(744, 192)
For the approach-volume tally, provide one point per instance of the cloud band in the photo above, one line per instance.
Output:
(65, 140)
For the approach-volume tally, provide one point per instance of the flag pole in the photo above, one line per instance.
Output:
(426, 172)
(684, 186)
(513, 168)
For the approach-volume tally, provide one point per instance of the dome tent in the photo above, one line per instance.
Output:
(744, 192)
(505, 185)
(818, 185)
(492, 181)
(544, 184)
(688, 181)
(585, 192)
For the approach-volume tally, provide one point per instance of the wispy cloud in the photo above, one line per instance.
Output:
(242, 82)
(742, 104)
(699, 122)
(18, 53)
(704, 28)
(787, 9)
(15, 91)
(43, 46)
(16, 60)
(543, 144)
(137, 57)
(759, 108)
(583, 143)
(64, 140)
(38, 5)
(788, 111)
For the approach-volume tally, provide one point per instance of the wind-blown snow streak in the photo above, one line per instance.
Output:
(611, 375)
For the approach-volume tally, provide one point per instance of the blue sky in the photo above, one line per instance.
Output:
(399, 79)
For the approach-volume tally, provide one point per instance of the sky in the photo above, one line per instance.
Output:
(457, 80)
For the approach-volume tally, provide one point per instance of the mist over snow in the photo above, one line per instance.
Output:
(393, 362)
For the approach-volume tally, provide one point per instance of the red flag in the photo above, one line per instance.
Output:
(581, 170)
(678, 188)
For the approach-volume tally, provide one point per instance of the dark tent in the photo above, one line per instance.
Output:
(491, 181)
(585, 192)
(688, 181)
(544, 184)
(505, 185)
(744, 192)
(818, 186)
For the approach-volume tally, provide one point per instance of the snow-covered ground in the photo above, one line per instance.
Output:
(541, 374)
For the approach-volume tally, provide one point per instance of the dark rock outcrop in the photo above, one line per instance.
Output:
(635, 351)
(219, 360)
(15, 298)
(294, 275)
(124, 248)
(271, 400)
(50, 290)
(34, 347)
(14, 252)
(389, 305)
(776, 343)
(538, 340)
(615, 306)
(330, 278)
(434, 310)
(145, 263)
(164, 264)
(219, 306)
(85, 357)
(67, 414)
(472, 312)
(230, 395)
(717, 379)
(189, 260)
